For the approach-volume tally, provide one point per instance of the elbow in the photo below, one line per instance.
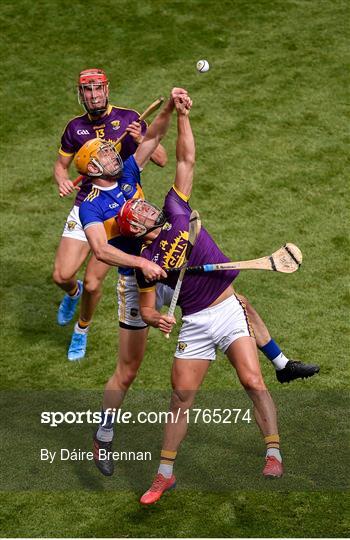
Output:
(190, 161)
(99, 254)
(159, 157)
(163, 161)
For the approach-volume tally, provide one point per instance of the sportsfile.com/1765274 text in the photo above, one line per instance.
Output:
(117, 416)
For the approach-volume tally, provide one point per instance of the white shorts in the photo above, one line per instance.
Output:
(215, 327)
(73, 227)
(128, 301)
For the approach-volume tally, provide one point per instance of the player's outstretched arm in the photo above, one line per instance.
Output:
(151, 316)
(108, 254)
(157, 129)
(159, 156)
(185, 147)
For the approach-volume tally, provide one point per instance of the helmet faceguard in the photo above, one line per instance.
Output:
(103, 156)
(138, 217)
(93, 91)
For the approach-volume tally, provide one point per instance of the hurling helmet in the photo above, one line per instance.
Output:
(134, 215)
(93, 80)
(103, 155)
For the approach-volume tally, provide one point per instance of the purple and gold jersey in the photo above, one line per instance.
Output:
(168, 250)
(109, 127)
(102, 205)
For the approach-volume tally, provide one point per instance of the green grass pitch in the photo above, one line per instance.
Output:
(270, 120)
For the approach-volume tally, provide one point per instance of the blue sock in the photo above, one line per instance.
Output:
(271, 350)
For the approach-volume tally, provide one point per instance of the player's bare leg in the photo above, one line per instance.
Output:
(243, 355)
(94, 275)
(286, 369)
(132, 346)
(70, 255)
(186, 377)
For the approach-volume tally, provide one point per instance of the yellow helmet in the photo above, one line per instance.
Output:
(102, 156)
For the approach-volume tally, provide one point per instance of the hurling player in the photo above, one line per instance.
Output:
(107, 122)
(213, 316)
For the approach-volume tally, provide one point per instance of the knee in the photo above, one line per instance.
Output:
(125, 375)
(56, 276)
(181, 399)
(126, 379)
(92, 284)
(253, 381)
(60, 277)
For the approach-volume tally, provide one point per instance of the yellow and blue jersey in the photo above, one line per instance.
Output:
(103, 204)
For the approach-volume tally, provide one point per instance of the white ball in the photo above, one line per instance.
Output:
(202, 66)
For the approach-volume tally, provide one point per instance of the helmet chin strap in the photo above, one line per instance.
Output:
(111, 177)
(96, 112)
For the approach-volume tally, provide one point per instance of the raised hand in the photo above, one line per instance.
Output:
(183, 104)
(134, 129)
(178, 92)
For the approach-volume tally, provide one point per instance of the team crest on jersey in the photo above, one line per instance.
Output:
(181, 346)
(71, 225)
(115, 124)
(126, 188)
(167, 226)
(175, 254)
